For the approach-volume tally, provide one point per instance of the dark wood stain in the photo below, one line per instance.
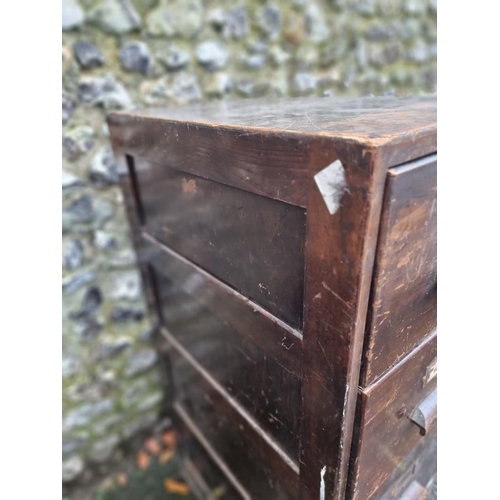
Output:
(254, 244)
(280, 342)
(388, 434)
(231, 432)
(246, 170)
(403, 307)
(271, 394)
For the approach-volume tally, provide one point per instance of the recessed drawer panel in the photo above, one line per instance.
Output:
(252, 243)
(250, 457)
(269, 392)
(395, 415)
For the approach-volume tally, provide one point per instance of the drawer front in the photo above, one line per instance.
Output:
(251, 377)
(413, 478)
(395, 414)
(236, 376)
(252, 243)
(403, 302)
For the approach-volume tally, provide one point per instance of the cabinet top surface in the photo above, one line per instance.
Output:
(364, 119)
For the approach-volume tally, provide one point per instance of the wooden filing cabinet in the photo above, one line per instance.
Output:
(288, 248)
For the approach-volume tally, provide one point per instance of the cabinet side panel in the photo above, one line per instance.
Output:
(252, 243)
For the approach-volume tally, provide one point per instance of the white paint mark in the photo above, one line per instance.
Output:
(283, 343)
(332, 184)
(322, 484)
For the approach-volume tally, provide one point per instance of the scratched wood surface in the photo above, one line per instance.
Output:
(301, 347)
(368, 118)
(387, 434)
(404, 299)
(254, 244)
(271, 394)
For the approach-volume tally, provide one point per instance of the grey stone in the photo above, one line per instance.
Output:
(278, 56)
(141, 362)
(212, 55)
(361, 54)
(123, 314)
(70, 181)
(217, 85)
(269, 19)
(419, 52)
(77, 141)
(74, 282)
(126, 285)
(393, 52)
(184, 89)
(414, 7)
(254, 61)
(365, 7)
(103, 169)
(111, 348)
(87, 54)
(69, 366)
(72, 14)
(178, 88)
(72, 253)
(121, 259)
(252, 88)
(409, 29)
(133, 391)
(256, 46)
(174, 58)
(105, 91)
(68, 106)
(86, 213)
(88, 328)
(316, 26)
(74, 443)
(85, 393)
(380, 32)
(147, 335)
(72, 468)
(81, 209)
(102, 426)
(429, 30)
(102, 450)
(217, 18)
(304, 83)
(143, 423)
(91, 303)
(171, 18)
(115, 16)
(105, 241)
(237, 22)
(83, 415)
(151, 401)
(135, 56)
(376, 55)
(306, 58)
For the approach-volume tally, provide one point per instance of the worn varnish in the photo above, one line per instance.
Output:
(254, 244)
(387, 433)
(403, 309)
(289, 252)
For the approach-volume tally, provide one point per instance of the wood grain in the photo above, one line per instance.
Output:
(387, 434)
(267, 155)
(217, 416)
(404, 298)
(275, 338)
(253, 244)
